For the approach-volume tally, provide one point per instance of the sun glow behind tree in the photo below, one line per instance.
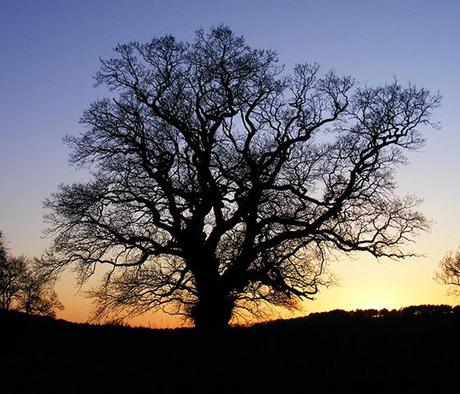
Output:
(40, 104)
(220, 183)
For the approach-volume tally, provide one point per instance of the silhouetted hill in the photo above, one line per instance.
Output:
(415, 348)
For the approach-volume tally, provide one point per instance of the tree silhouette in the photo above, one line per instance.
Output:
(12, 271)
(449, 272)
(37, 295)
(27, 285)
(221, 182)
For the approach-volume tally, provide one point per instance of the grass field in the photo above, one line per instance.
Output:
(412, 350)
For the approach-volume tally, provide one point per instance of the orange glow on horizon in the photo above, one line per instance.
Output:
(364, 283)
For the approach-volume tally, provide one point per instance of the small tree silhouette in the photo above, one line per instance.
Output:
(37, 295)
(27, 285)
(222, 182)
(449, 272)
(12, 272)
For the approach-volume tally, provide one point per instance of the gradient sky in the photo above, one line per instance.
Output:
(50, 50)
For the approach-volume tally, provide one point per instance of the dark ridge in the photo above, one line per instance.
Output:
(374, 350)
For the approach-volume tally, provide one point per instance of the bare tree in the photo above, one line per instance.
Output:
(449, 272)
(221, 182)
(12, 270)
(37, 295)
(27, 285)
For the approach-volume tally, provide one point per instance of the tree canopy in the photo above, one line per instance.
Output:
(221, 181)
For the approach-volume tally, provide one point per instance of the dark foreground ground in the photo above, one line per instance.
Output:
(416, 349)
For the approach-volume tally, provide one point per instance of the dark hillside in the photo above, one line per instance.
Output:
(411, 349)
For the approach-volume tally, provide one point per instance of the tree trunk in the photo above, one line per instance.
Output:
(213, 310)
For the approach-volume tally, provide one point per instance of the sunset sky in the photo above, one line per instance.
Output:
(50, 51)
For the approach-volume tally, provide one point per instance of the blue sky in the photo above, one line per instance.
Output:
(50, 50)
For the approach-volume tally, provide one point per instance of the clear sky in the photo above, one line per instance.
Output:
(49, 52)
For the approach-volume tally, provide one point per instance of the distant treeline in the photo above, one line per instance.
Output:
(414, 310)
